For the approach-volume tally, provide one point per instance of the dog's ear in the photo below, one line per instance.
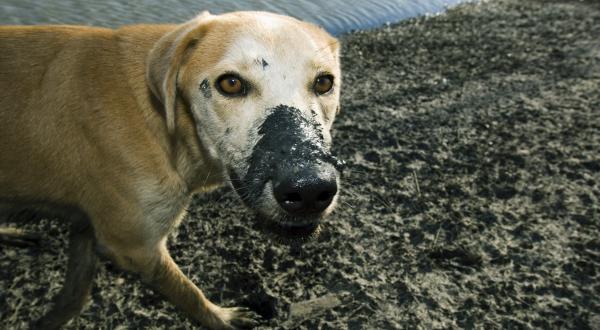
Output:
(165, 60)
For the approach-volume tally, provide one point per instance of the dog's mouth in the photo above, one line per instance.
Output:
(297, 231)
(289, 232)
(285, 223)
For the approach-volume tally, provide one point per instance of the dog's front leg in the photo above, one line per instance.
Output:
(160, 270)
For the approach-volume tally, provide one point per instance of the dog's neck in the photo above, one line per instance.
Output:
(183, 148)
(191, 158)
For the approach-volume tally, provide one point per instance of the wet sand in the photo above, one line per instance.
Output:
(472, 141)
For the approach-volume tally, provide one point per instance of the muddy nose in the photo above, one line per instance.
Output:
(310, 192)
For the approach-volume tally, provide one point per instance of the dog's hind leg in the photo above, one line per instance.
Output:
(81, 269)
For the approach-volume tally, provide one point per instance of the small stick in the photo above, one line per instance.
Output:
(18, 237)
(416, 181)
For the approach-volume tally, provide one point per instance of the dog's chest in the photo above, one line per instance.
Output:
(163, 206)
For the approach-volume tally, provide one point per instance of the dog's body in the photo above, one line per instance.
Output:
(116, 129)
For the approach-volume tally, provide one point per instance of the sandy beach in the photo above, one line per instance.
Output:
(470, 198)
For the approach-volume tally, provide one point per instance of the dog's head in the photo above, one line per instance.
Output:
(263, 90)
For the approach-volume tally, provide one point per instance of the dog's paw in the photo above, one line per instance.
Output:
(243, 318)
(236, 318)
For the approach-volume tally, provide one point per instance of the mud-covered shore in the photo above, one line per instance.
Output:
(471, 195)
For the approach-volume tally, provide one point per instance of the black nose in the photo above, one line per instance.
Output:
(309, 192)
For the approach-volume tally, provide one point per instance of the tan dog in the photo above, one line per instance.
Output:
(116, 129)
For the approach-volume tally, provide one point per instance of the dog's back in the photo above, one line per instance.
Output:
(33, 59)
(36, 105)
(64, 115)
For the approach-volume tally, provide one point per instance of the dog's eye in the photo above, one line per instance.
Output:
(323, 84)
(231, 85)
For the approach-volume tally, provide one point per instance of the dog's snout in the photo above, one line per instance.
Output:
(307, 193)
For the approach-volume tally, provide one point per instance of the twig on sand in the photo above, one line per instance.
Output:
(416, 182)
(18, 237)
(437, 234)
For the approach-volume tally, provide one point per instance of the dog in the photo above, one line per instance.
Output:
(115, 130)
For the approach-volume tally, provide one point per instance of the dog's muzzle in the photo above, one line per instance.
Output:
(291, 155)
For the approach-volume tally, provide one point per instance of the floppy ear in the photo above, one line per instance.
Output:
(166, 58)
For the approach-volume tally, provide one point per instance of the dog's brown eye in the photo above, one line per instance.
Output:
(231, 85)
(323, 84)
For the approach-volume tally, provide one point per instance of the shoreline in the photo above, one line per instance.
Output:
(334, 16)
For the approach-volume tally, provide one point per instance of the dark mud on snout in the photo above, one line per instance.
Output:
(470, 198)
(289, 142)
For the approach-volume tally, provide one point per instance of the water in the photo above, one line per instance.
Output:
(337, 16)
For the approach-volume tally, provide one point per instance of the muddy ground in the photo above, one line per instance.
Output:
(470, 200)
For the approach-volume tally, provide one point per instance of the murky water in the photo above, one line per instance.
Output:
(337, 16)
